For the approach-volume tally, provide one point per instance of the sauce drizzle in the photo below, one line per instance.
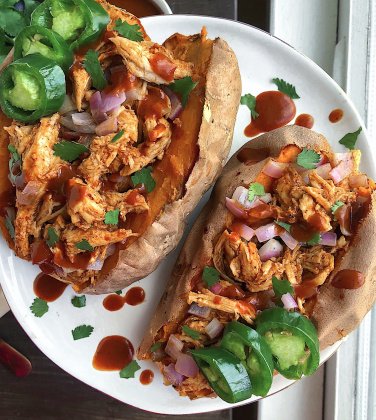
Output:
(134, 296)
(113, 353)
(146, 377)
(304, 120)
(335, 116)
(48, 288)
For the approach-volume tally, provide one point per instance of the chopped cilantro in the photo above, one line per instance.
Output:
(69, 150)
(82, 331)
(286, 88)
(191, 333)
(79, 301)
(156, 345)
(281, 287)
(350, 139)
(10, 227)
(255, 189)
(210, 276)
(84, 245)
(129, 370)
(307, 158)
(144, 176)
(117, 136)
(52, 237)
(250, 101)
(119, 292)
(112, 217)
(15, 157)
(286, 226)
(315, 240)
(184, 87)
(132, 32)
(39, 307)
(93, 67)
(336, 206)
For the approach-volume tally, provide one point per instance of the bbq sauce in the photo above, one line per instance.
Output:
(48, 288)
(163, 66)
(251, 156)
(139, 8)
(134, 296)
(113, 353)
(305, 120)
(275, 110)
(336, 115)
(146, 377)
(348, 279)
(302, 231)
(306, 289)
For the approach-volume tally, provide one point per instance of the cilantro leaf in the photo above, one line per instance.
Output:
(117, 136)
(156, 345)
(286, 88)
(129, 370)
(132, 32)
(315, 240)
(307, 158)
(119, 292)
(84, 245)
(15, 157)
(184, 87)
(281, 287)
(10, 227)
(82, 331)
(39, 307)
(210, 276)
(12, 21)
(255, 189)
(79, 301)
(144, 176)
(350, 139)
(112, 217)
(191, 333)
(250, 101)
(286, 226)
(336, 206)
(52, 237)
(69, 150)
(93, 67)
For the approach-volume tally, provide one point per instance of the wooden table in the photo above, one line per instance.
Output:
(50, 393)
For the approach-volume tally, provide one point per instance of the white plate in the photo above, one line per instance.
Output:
(261, 58)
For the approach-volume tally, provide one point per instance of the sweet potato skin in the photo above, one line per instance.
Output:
(220, 107)
(198, 248)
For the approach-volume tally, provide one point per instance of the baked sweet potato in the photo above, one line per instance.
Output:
(108, 217)
(306, 226)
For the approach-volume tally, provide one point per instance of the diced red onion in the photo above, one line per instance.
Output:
(269, 250)
(356, 181)
(186, 366)
(245, 231)
(341, 171)
(241, 196)
(97, 265)
(288, 301)
(267, 198)
(82, 118)
(111, 101)
(174, 346)
(66, 121)
(266, 232)
(214, 328)
(29, 194)
(216, 288)
(97, 108)
(14, 360)
(289, 240)
(320, 162)
(176, 105)
(107, 127)
(341, 217)
(340, 157)
(201, 311)
(274, 169)
(235, 209)
(328, 238)
(68, 105)
(174, 377)
(324, 170)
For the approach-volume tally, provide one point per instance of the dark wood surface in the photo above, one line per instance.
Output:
(49, 392)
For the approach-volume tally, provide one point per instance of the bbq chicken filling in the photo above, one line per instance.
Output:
(294, 227)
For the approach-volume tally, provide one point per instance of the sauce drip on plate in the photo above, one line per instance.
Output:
(113, 353)
(146, 377)
(304, 120)
(134, 296)
(48, 288)
(336, 115)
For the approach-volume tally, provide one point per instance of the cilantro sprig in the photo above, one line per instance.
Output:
(69, 150)
(191, 333)
(286, 226)
(336, 206)
(156, 345)
(14, 158)
(119, 292)
(144, 176)
(281, 287)
(39, 307)
(210, 276)
(93, 67)
(112, 217)
(286, 88)
(255, 189)
(315, 240)
(307, 158)
(53, 238)
(10, 227)
(82, 331)
(132, 32)
(350, 139)
(79, 301)
(250, 101)
(117, 136)
(84, 245)
(184, 87)
(129, 370)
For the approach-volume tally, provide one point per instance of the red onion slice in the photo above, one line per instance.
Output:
(174, 346)
(235, 209)
(288, 301)
(176, 105)
(82, 118)
(216, 288)
(29, 194)
(172, 376)
(186, 366)
(111, 101)
(201, 311)
(245, 231)
(68, 105)
(341, 171)
(240, 195)
(289, 240)
(14, 360)
(269, 250)
(214, 328)
(274, 169)
(66, 121)
(356, 181)
(267, 198)
(107, 127)
(266, 232)
(328, 238)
